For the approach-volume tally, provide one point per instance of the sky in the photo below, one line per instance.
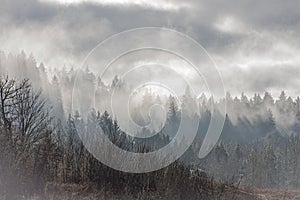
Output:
(255, 44)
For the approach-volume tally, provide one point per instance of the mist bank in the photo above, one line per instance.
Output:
(246, 117)
(259, 140)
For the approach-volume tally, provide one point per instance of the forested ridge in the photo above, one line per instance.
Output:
(259, 145)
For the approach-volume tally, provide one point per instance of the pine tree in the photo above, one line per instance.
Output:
(173, 120)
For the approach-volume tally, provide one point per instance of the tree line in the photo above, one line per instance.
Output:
(37, 149)
(259, 145)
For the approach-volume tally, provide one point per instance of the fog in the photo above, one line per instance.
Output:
(138, 104)
(247, 41)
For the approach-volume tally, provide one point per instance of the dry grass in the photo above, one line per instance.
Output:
(55, 191)
(271, 193)
(278, 194)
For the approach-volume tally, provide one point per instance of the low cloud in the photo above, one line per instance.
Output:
(255, 45)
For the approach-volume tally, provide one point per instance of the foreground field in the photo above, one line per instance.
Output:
(89, 192)
(278, 194)
(85, 192)
(272, 194)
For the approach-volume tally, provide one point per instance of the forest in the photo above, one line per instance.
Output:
(42, 153)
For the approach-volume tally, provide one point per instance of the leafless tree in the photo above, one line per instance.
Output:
(25, 125)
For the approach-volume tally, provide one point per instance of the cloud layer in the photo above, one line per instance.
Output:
(255, 45)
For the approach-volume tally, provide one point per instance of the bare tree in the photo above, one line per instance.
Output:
(25, 124)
